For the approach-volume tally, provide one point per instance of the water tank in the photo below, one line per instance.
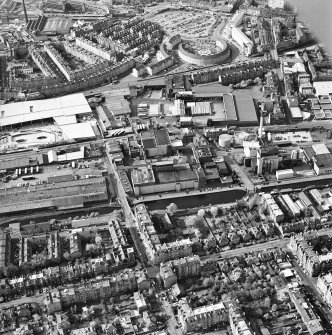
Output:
(225, 140)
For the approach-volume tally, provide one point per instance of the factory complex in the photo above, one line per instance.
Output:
(165, 168)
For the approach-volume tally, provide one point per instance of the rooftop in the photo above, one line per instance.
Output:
(34, 110)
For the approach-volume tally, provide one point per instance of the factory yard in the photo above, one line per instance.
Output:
(187, 24)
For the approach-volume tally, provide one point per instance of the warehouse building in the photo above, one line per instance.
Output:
(62, 195)
(62, 110)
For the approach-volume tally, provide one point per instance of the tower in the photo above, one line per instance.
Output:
(259, 162)
(260, 130)
(25, 12)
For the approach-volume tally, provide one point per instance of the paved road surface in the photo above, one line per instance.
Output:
(249, 185)
(279, 243)
(39, 298)
(129, 215)
(171, 322)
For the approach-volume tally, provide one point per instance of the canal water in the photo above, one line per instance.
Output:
(193, 201)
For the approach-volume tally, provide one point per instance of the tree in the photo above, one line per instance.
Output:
(26, 268)
(214, 211)
(171, 208)
(66, 255)
(91, 247)
(98, 239)
(267, 302)
(259, 312)
(12, 271)
(207, 282)
(201, 213)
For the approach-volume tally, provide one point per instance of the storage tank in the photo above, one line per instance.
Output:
(225, 140)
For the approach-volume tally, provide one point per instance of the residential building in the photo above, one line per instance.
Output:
(200, 318)
(324, 286)
(139, 70)
(75, 245)
(307, 313)
(59, 61)
(140, 302)
(95, 48)
(167, 275)
(187, 267)
(125, 281)
(243, 40)
(160, 66)
(312, 261)
(156, 251)
(238, 322)
(52, 302)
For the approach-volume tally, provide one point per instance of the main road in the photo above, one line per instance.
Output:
(129, 215)
(278, 243)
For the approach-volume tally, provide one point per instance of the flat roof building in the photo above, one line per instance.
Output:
(35, 110)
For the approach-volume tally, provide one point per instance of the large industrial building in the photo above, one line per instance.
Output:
(226, 106)
(62, 110)
(58, 195)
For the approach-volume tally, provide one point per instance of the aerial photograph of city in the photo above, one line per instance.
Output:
(165, 167)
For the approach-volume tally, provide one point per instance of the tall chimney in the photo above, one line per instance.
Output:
(25, 12)
(260, 130)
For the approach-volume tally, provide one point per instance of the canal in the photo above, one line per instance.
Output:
(198, 200)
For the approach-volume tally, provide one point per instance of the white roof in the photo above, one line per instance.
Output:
(60, 120)
(186, 119)
(27, 111)
(296, 112)
(323, 87)
(287, 273)
(78, 130)
(240, 36)
(320, 149)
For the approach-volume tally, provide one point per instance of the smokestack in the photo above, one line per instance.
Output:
(25, 12)
(260, 130)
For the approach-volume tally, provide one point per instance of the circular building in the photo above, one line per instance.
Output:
(225, 140)
(204, 52)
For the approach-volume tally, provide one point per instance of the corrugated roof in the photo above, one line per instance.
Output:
(27, 111)
(162, 137)
(245, 107)
(230, 107)
(14, 163)
(78, 130)
(210, 90)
